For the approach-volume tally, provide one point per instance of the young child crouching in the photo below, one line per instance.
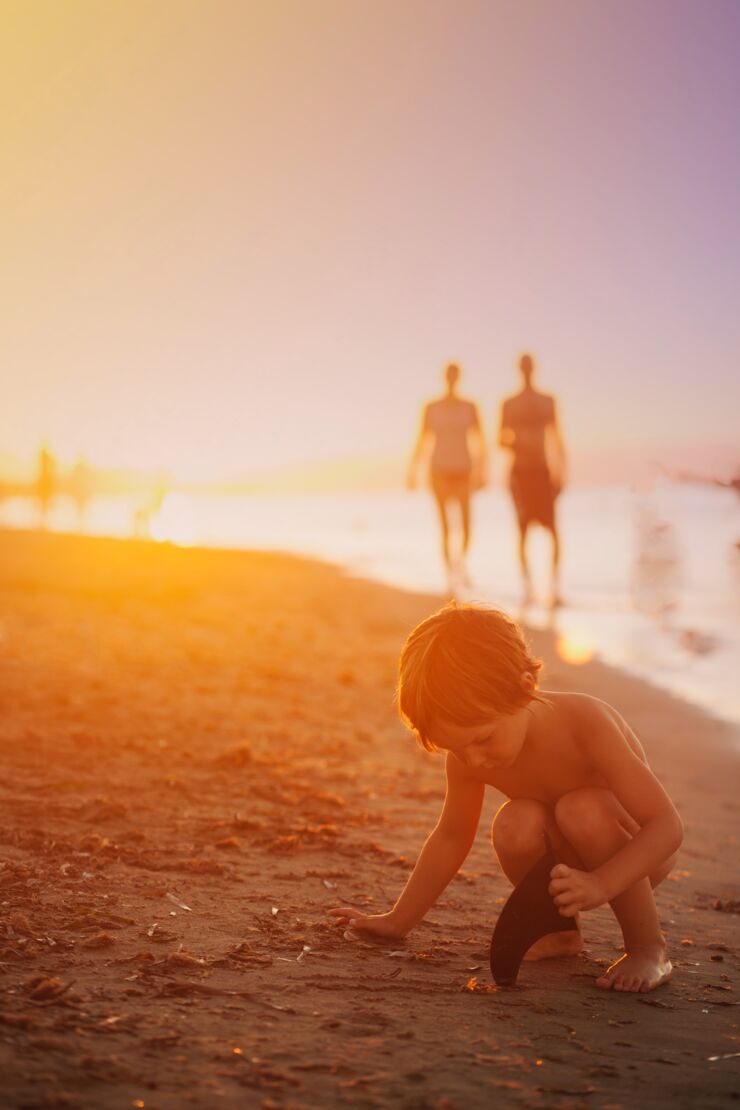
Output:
(570, 766)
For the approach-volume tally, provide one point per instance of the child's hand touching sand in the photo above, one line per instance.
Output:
(574, 890)
(380, 924)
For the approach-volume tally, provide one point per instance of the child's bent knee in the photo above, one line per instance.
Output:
(663, 871)
(583, 813)
(518, 827)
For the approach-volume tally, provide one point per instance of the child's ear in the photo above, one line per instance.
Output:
(527, 682)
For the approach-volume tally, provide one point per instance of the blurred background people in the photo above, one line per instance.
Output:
(452, 435)
(529, 429)
(46, 483)
(80, 489)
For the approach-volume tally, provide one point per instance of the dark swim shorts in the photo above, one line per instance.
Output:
(534, 495)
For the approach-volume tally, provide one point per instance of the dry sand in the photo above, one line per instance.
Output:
(216, 731)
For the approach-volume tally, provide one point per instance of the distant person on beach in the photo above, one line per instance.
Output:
(150, 507)
(530, 430)
(80, 488)
(452, 430)
(572, 768)
(46, 483)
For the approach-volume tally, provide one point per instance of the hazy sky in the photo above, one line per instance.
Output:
(239, 233)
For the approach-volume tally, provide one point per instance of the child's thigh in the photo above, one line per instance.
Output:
(631, 827)
(628, 823)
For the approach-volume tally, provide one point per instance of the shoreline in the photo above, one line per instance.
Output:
(604, 632)
(215, 729)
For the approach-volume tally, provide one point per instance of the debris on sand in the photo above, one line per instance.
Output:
(176, 902)
(181, 958)
(99, 940)
(239, 756)
(43, 990)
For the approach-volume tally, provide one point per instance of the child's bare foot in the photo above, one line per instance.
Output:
(555, 944)
(642, 970)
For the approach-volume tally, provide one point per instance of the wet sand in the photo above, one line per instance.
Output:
(201, 756)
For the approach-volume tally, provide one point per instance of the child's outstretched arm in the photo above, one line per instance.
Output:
(439, 860)
(603, 736)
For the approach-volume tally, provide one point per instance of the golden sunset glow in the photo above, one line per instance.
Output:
(575, 648)
(231, 251)
(369, 553)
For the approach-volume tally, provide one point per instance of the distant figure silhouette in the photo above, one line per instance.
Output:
(149, 507)
(451, 426)
(529, 428)
(80, 488)
(46, 482)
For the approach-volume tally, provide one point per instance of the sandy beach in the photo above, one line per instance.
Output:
(201, 755)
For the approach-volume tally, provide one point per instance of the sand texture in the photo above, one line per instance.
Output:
(200, 757)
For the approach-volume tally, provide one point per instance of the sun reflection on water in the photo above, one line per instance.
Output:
(575, 648)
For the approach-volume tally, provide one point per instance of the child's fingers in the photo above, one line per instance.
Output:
(560, 871)
(343, 914)
(557, 886)
(564, 899)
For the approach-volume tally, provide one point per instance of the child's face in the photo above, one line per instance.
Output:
(494, 743)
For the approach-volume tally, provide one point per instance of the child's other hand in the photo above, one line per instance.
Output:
(574, 890)
(381, 924)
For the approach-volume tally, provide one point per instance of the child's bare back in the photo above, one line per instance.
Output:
(570, 766)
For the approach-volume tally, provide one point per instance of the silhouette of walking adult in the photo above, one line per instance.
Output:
(530, 430)
(451, 431)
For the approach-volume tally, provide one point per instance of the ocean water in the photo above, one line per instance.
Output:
(651, 582)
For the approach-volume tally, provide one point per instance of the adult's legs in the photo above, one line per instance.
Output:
(445, 526)
(464, 501)
(555, 576)
(597, 826)
(523, 562)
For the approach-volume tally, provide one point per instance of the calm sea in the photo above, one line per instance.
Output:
(651, 582)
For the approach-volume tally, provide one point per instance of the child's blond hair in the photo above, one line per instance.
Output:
(460, 665)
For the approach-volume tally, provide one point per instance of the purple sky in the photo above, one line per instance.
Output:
(242, 234)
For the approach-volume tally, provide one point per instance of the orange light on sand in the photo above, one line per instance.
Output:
(175, 521)
(575, 648)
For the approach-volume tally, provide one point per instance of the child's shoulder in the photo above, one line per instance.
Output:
(581, 709)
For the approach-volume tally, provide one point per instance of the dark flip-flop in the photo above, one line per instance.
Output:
(528, 915)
